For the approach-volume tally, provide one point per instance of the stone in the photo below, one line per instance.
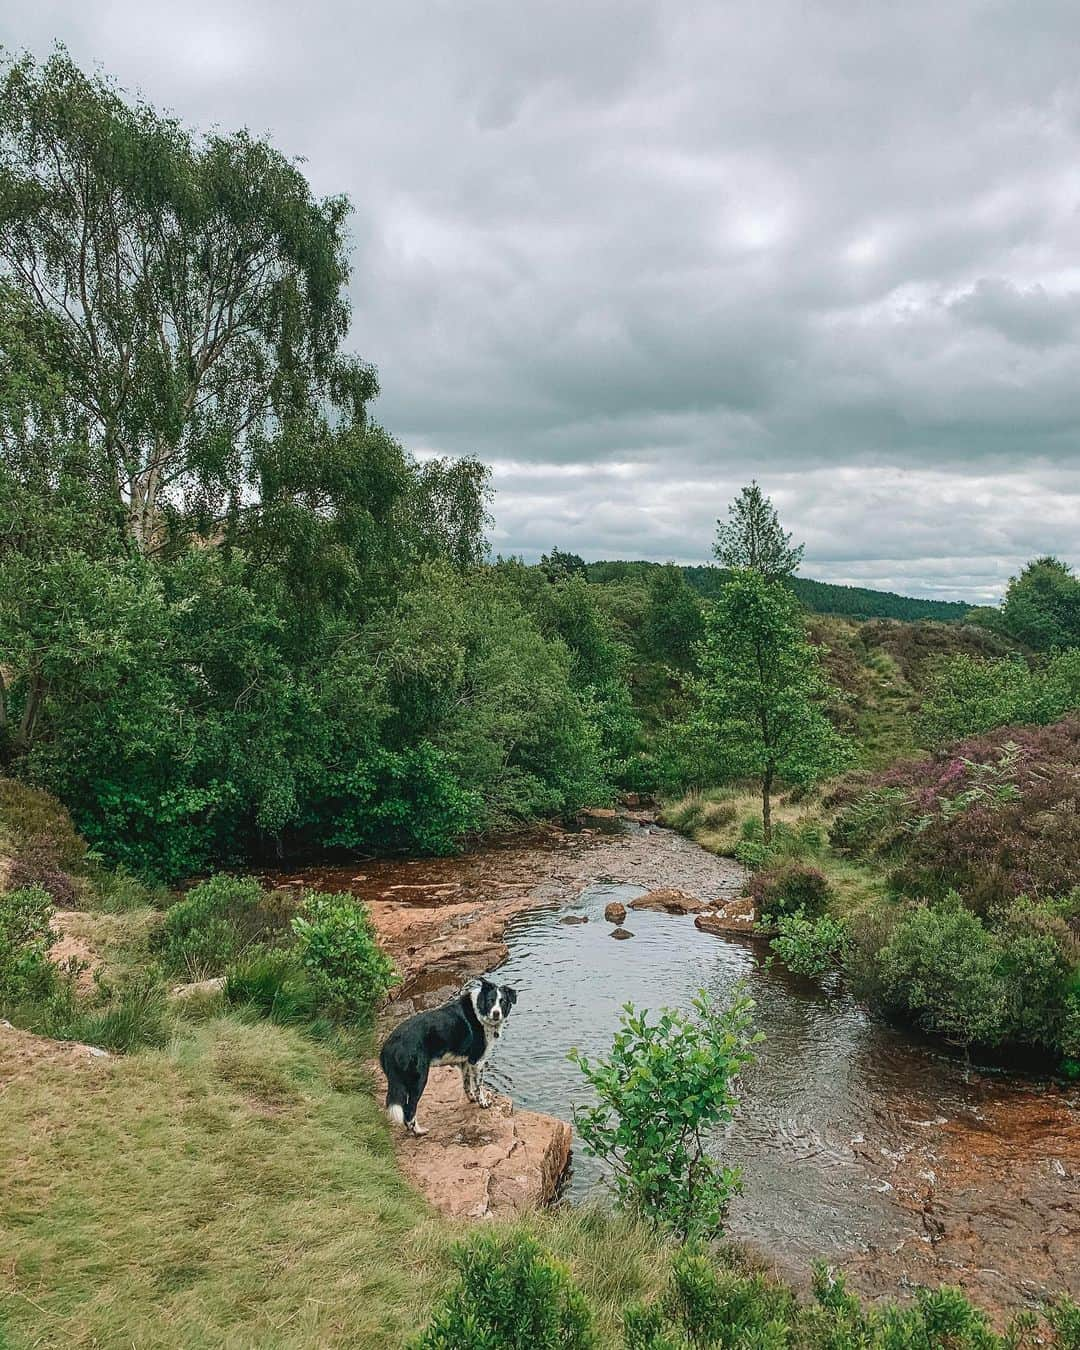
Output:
(481, 1164)
(621, 933)
(198, 989)
(574, 918)
(669, 900)
(615, 912)
(600, 813)
(737, 916)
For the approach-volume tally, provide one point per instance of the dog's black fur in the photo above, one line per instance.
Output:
(459, 1032)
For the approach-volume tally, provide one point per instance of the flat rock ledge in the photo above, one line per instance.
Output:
(481, 1164)
(737, 916)
(669, 900)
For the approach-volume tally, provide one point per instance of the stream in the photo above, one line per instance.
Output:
(859, 1145)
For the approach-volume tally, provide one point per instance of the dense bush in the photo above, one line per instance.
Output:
(509, 1295)
(788, 887)
(966, 696)
(25, 938)
(665, 1085)
(1012, 981)
(335, 943)
(218, 920)
(273, 983)
(811, 946)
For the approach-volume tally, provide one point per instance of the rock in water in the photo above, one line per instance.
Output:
(669, 900)
(574, 918)
(621, 933)
(614, 912)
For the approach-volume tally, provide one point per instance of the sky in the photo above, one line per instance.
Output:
(634, 253)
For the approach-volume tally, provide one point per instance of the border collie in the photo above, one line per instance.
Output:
(459, 1032)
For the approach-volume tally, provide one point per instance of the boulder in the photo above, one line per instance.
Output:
(621, 933)
(600, 813)
(669, 900)
(614, 912)
(481, 1164)
(574, 918)
(737, 916)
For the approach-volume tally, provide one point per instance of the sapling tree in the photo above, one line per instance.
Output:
(761, 689)
(664, 1089)
(753, 538)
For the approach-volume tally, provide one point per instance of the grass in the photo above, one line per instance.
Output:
(716, 820)
(236, 1189)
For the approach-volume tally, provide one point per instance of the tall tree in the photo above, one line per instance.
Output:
(1042, 606)
(184, 295)
(760, 691)
(752, 537)
(672, 620)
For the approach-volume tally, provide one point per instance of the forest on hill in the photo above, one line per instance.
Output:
(820, 597)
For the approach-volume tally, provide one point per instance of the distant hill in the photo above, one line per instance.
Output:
(820, 597)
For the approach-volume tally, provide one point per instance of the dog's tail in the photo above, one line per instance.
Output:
(396, 1112)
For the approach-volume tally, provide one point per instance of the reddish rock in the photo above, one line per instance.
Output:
(600, 813)
(481, 1164)
(621, 933)
(574, 918)
(737, 916)
(669, 900)
(614, 912)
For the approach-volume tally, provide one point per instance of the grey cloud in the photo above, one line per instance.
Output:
(636, 251)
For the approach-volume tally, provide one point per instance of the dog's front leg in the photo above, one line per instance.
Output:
(484, 1099)
(468, 1081)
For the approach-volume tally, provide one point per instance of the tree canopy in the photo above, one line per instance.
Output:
(753, 538)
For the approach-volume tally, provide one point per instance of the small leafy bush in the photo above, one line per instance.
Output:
(218, 920)
(25, 938)
(665, 1086)
(336, 945)
(509, 1295)
(811, 946)
(36, 830)
(788, 888)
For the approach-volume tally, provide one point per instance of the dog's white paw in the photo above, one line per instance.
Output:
(484, 1100)
(418, 1130)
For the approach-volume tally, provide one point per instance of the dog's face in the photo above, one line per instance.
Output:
(492, 1001)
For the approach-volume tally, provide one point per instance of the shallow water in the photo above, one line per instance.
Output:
(859, 1144)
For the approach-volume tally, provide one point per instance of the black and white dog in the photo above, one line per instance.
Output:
(459, 1032)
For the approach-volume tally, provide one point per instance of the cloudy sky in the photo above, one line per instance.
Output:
(635, 252)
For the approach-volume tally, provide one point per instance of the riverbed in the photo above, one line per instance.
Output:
(859, 1144)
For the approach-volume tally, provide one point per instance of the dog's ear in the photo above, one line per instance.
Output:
(511, 994)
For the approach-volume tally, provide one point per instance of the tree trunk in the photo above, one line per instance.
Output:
(766, 804)
(24, 737)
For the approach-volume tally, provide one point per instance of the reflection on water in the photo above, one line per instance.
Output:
(840, 1118)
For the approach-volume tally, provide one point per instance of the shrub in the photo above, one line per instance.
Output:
(218, 920)
(509, 1295)
(947, 970)
(336, 945)
(787, 888)
(811, 946)
(135, 1017)
(25, 938)
(665, 1085)
(37, 830)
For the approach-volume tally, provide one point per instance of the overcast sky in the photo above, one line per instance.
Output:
(633, 253)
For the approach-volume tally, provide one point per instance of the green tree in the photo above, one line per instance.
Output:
(752, 538)
(672, 621)
(182, 298)
(761, 689)
(557, 565)
(1042, 606)
(665, 1088)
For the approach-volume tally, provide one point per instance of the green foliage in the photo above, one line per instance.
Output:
(760, 692)
(967, 695)
(218, 920)
(336, 945)
(752, 539)
(672, 620)
(1010, 981)
(811, 946)
(273, 983)
(509, 1295)
(789, 887)
(25, 938)
(664, 1087)
(1042, 606)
